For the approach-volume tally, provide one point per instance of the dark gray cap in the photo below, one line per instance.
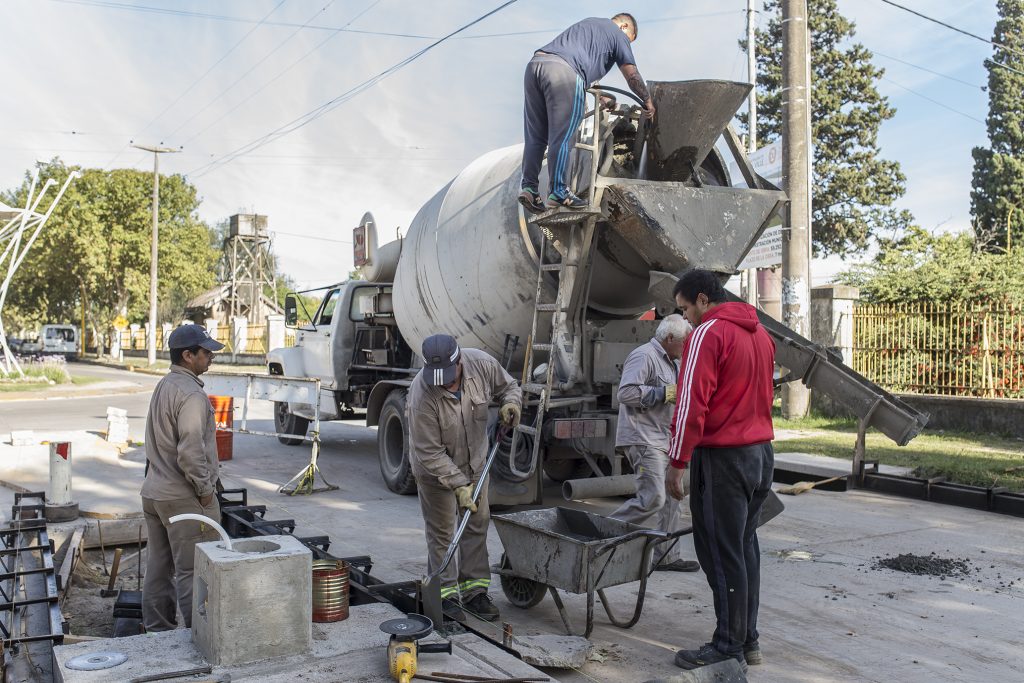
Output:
(187, 336)
(441, 356)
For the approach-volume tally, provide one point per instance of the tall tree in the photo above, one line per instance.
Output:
(854, 188)
(997, 195)
(95, 249)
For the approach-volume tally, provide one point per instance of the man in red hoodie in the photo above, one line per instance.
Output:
(722, 428)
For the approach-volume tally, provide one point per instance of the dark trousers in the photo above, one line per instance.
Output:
(727, 488)
(552, 111)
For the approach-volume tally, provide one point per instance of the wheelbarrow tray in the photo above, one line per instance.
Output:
(562, 548)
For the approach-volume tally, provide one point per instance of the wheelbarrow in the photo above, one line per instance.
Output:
(578, 552)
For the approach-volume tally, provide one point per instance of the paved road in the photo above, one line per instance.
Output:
(825, 615)
(85, 412)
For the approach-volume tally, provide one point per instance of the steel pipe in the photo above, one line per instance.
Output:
(599, 487)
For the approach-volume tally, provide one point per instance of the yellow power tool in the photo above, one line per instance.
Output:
(403, 648)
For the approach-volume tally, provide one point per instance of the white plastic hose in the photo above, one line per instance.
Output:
(206, 520)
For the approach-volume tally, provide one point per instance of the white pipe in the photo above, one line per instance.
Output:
(206, 520)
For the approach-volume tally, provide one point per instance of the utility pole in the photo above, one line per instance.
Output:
(796, 142)
(751, 273)
(154, 251)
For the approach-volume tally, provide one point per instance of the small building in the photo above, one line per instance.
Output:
(216, 303)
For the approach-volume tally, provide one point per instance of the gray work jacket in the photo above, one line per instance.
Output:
(644, 417)
(448, 435)
(181, 444)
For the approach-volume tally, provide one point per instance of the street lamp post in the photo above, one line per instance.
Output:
(154, 251)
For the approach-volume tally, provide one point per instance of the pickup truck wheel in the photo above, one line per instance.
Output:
(286, 422)
(393, 445)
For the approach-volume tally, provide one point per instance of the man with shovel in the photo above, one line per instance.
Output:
(447, 414)
(722, 428)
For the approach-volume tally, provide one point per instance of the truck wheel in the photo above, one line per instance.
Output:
(286, 422)
(393, 445)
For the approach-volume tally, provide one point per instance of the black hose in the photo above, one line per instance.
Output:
(608, 88)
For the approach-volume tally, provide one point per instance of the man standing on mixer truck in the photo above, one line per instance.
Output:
(555, 88)
(722, 428)
(448, 414)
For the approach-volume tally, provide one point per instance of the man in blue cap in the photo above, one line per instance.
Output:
(448, 413)
(181, 477)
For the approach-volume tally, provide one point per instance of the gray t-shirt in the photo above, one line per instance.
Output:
(591, 47)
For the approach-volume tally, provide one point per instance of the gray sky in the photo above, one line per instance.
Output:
(86, 76)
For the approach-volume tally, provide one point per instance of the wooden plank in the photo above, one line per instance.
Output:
(67, 567)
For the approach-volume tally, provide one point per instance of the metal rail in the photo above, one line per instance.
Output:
(25, 541)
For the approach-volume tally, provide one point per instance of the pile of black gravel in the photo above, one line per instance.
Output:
(929, 565)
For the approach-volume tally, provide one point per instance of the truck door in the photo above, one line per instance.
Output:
(317, 342)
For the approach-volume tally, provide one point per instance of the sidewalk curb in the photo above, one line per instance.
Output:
(121, 366)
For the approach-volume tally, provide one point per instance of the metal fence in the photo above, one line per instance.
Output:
(255, 339)
(945, 349)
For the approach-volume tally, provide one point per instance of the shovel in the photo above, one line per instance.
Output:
(804, 486)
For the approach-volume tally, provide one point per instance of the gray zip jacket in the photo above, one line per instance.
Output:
(448, 436)
(644, 417)
(181, 444)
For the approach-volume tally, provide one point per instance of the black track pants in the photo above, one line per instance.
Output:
(727, 488)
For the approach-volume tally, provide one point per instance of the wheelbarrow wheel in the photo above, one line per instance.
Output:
(523, 593)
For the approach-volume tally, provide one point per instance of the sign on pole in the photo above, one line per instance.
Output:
(767, 251)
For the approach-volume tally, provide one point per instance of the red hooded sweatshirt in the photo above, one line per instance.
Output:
(724, 395)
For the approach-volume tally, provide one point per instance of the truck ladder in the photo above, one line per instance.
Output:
(556, 324)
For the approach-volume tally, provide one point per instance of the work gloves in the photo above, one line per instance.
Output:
(510, 414)
(670, 393)
(464, 494)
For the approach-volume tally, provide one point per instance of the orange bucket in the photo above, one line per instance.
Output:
(224, 416)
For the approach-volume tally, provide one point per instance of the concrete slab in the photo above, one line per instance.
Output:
(354, 651)
(825, 466)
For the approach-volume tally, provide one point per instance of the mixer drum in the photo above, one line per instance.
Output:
(469, 263)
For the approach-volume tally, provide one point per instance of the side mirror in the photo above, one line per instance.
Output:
(291, 311)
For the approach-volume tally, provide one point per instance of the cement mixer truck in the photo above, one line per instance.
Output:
(560, 298)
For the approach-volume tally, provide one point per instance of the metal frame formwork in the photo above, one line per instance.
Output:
(19, 229)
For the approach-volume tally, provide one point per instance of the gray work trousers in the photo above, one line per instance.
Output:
(469, 573)
(172, 550)
(651, 502)
(554, 105)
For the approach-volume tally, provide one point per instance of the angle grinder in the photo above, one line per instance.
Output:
(403, 648)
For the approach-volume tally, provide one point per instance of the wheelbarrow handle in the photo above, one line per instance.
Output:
(653, 534)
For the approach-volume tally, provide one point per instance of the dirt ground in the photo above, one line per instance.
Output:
(89, 613)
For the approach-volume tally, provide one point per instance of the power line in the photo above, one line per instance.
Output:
(328, 106)
(923, 68)
(214, 66)
(952, 28)
(255, 66)
(283, 71)
(390, 34)
(310, 237)
(195, 82)
(933, 101)
(222, 17)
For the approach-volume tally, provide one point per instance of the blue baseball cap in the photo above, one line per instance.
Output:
(187, 336)
(441, 357)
